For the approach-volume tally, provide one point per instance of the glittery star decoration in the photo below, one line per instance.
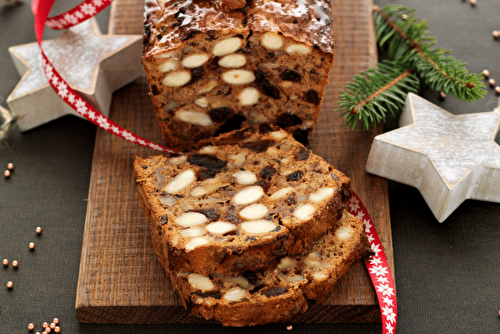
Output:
(93, 64)
(447, 158)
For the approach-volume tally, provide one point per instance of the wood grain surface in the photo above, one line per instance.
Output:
(120, 280)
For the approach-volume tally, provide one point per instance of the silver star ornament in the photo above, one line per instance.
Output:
(94, 65)
(448, 158)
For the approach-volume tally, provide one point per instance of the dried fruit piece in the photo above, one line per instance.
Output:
(176, 79)
(271, 41)
(189, 219)
(295, 176)
(258, 146)
(312, 96)
(200, 282)
(267, 172)
(195, 60)
(245, 177)
(304, 212)
(248, 195)
(233, 61)
(290, 75)
(254, 212)
(180, 182)
(202, 102)
(227, 46)
(194, 117)
(238, 77)
(265, 86)
(256, 227)
(220, 227)
(220, 114)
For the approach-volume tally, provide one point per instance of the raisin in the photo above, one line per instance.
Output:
(184, 36)
(265, 86)
(208, 161)
(196, 74)
(290, 75)
(267, 172)
(212, 214)
(164, 219)
(264, 128)
(312, 96)
(231, 124)
(287, 120)
(233, 217)
(295, 176)
(258, 146)
(263, 184)
(155, 90)
(303, 154)
(219, 115)
(213, 294)
(302, 136)
(221, 256)
(290, 200)
(205, 174)
(274, 291)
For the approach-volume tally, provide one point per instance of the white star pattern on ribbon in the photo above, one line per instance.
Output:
(378, 269)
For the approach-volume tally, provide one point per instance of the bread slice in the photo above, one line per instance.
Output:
(283, 289)
(219, 65)
(239, 202)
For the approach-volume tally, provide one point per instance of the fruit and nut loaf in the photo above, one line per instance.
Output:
(240, 201)
(214, 66)
(281, 290)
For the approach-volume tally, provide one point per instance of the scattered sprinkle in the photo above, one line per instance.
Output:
(5, 262)
(491, 82)
(10, 166)
(31, 245)
(10, 285)
(486, 73)
(15, 264)
(6, 174)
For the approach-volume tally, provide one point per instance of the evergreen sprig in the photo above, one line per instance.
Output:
(375, 92)
(384, 88)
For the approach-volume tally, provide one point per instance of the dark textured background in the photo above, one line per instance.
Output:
(447, 275)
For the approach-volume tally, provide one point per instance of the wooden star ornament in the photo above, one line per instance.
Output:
(447, 158)
(93, 64)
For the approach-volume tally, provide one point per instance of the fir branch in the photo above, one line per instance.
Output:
(382, 90)
(410, 41)
(375, 93)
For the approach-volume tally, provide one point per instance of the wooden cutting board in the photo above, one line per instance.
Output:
(120, 280)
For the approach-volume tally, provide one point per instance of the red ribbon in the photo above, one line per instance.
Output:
(377, 265)
(80, 13)
(378, 268)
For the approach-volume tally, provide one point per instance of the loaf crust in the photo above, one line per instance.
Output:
(212, 69)
(253, 197)
(281, 291)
